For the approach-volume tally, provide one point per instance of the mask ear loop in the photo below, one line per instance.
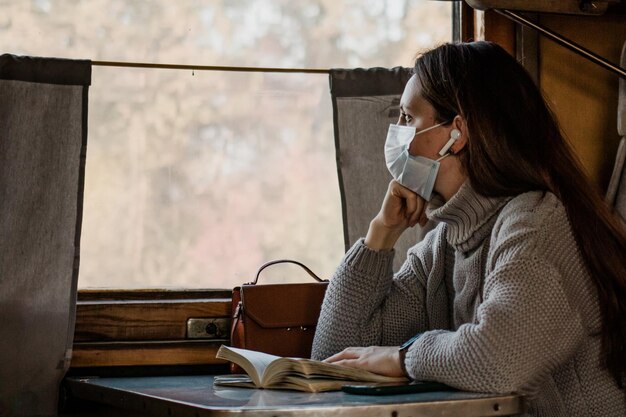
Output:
(430, 128)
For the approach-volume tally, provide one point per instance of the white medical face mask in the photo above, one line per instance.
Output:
(414, 172)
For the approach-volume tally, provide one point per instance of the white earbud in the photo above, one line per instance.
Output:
(455, 134)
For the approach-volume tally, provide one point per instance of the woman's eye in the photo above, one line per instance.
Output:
(406, 118)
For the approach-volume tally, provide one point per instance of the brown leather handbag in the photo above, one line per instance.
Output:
(279, 319)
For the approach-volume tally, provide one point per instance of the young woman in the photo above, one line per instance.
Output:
(522, 285)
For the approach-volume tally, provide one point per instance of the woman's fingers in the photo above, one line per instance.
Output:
(383, 360)
(414, 205)
(349, 353)
(418, 212)
(392, 213)
(407, 199)
(423, 218)
(411, 204)
(401, 207)
(350, 363)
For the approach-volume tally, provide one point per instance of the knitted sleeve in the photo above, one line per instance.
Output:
(365, 304)
(525, 329)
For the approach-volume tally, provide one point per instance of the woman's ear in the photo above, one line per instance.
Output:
(459, 129)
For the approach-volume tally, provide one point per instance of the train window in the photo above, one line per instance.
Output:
(195, 178)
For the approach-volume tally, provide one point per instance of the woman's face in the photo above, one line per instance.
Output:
(416, 112)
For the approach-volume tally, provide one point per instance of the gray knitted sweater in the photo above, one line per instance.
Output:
(502, 295)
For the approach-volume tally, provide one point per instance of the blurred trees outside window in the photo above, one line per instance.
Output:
(195, 178)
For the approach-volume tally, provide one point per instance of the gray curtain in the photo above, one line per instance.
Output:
(365, 102)
(616, 193)
(43, 136)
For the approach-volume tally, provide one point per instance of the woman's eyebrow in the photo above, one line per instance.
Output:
(406, 108)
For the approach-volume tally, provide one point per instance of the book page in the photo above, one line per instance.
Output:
(312, 369)
(234, 381)
(253, 362)
(296, 383)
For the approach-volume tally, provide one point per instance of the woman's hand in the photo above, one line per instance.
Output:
(401, 209)
(382, 360)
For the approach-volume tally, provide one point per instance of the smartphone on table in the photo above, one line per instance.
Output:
(394, 389)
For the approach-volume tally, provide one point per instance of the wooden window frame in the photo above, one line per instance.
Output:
(493, 27)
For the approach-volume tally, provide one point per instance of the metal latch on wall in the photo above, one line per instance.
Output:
(213, 329)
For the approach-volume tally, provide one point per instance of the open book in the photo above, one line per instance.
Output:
(269, 371)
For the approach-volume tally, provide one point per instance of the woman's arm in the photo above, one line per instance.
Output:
(525, 329)
(366, 305)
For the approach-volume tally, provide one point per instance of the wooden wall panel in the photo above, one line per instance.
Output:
(467, 23)
(145, 353)
(499, 29)
(144, 328)
(142, 320)
(582, 94)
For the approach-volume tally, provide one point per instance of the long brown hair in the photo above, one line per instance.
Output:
(515, 145)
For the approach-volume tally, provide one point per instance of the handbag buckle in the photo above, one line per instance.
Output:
(238, 309)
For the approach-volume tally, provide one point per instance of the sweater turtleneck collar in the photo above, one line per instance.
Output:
(469, 217)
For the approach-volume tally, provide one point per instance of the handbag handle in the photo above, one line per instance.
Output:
(279, 261)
